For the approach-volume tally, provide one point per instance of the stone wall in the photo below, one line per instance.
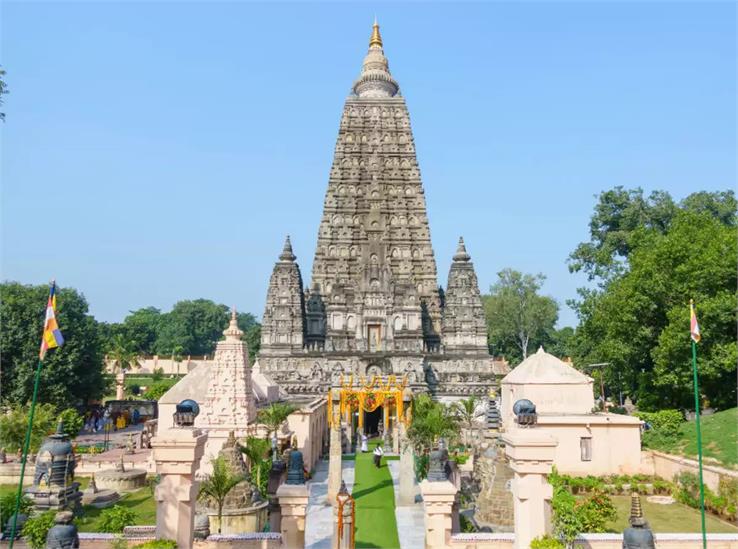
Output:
(667, 466)
(310, 426)
(599, 541)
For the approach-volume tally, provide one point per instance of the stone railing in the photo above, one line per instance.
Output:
(256, 540)
(598, 541)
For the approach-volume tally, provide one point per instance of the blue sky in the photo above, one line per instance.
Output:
(154, 152)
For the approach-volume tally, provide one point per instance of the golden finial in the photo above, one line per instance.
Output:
(376, 39)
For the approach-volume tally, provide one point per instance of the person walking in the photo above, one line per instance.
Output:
(378, 453)
(364, 443)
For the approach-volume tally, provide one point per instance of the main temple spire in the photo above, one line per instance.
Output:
(375, 79)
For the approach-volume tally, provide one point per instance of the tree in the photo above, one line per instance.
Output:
(637, 320)
(14, 423)
(431, 421)
(518, 318)
(466, 412)
(71, 374)
(257, 454)
(216, 486)
(123, 356)
(274, 415)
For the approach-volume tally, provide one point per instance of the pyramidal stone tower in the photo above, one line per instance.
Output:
(374, 306)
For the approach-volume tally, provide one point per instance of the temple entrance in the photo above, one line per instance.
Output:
(372, 421)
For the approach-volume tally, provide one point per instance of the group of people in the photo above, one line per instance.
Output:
(96, 420)
(378, 450)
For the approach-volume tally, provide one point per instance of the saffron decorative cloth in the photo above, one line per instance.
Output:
(52, 336)
(694, 327)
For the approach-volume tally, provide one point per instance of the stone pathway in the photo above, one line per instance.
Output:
(410, 519)
(319, 520)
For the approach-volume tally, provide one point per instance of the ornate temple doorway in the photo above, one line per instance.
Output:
(372, 421)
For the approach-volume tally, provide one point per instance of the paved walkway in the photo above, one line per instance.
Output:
(319, 520)
(410, 519)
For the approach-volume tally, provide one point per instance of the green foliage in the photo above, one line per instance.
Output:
(158, 374)
(122, 352)
(14, 423)
(7, 506)
(73, 422)
(36, 528)
(158, 544)
(650, 256)
(719, 433)
(158, 388)
(546, 542)
(664, 422)
(518, 318)
(259, 463)
(190, 328)
(274, 415)
(216, 486)
(572, 516)
(115, 518)
(431, 420)
(466, 525)
(71, 374)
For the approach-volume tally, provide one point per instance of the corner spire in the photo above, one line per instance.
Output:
(233, 332)
(461, 253)
(287, 254)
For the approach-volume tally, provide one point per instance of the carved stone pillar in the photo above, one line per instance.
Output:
(439, 502)
(334, 457)
(406, 495)
(293, 500)
(177, 453)
(120, 385)
(531, 455)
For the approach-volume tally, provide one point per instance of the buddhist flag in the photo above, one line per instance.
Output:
(52, 334)
(694, 328)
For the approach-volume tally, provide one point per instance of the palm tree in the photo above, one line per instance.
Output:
(216, 486)
(431, 420)
(274, 415)
(257, 452)
(465, 411)
(122, 353)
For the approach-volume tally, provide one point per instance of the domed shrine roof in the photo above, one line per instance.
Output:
(544, 368)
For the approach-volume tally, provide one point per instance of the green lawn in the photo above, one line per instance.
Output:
(719, 433)
(667, 518)
(376, 526)
(140, 502)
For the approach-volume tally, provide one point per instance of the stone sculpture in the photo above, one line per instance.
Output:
(63, 535)
(55, 465)
(639, 535)
(296, 469)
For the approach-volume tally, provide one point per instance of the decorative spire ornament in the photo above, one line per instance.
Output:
(375, 79)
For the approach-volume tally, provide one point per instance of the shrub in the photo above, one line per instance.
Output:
(135, 389)
(546, 542)
(36, 528)
(158, 374)
(7, 506)
(687, 489)
(158, 388)
(13, 426)
(665, 423)
(466, 525)
(115, 518)
(73, 422)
